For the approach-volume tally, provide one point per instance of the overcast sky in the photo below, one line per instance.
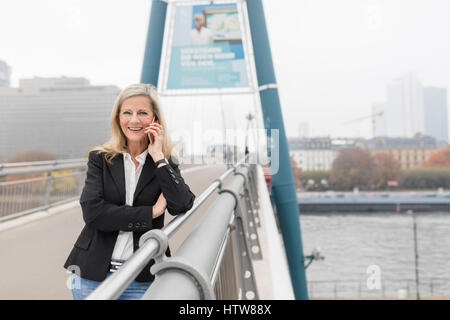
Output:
(332, 58)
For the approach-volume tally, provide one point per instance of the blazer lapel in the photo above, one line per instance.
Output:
(147, 174)
(117, 170)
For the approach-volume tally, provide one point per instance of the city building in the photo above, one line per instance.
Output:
(311, 154)
(404, 114)
(63, 116)
(435, 109)
(5, 74)
(410, 152)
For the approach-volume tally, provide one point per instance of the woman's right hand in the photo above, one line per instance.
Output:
(160, 206)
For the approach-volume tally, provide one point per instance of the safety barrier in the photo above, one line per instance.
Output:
(26, 187)
(387, 288)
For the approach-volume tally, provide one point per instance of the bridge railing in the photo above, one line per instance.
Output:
(26, 187)
(214, 261)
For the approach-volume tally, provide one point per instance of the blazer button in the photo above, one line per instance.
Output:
(137, 224)
(130, 225)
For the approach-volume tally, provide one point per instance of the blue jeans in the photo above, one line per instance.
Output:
(81, 288)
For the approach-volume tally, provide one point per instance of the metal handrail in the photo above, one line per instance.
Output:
(40, 163)
(113, 286)
(179, 220)
(188, 274)
(44, 168)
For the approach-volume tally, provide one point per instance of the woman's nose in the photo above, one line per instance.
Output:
(134, 118)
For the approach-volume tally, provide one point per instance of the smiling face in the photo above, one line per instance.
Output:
(199, 21)
(134, 116)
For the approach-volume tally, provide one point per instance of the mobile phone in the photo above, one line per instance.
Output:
(150, 135)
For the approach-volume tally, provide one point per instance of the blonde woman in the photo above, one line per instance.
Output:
(131, 180)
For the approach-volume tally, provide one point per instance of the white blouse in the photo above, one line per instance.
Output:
(124, 243)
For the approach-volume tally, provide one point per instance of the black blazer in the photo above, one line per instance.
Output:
(105, 212)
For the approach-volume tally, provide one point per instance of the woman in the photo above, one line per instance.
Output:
(130, 181)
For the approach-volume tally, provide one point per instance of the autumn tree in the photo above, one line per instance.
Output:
(31, 155)
(387, 169)
(440, 158)
(353, 168)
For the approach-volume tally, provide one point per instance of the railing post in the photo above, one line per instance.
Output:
(246, 267)
(431, 287)
(249, 220)
(359, 289)
(47, 189)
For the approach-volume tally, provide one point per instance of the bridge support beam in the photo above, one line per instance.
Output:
(283, 185)
(153, 46)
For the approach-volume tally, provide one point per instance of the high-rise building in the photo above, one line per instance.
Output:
(435, 109)
(404, 107)
(63, 116)
(5, 74)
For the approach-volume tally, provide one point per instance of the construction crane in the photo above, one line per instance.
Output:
(374, 115)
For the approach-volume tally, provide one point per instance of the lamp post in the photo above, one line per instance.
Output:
(416, 254)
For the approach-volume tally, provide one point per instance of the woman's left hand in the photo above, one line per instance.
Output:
(156, 140)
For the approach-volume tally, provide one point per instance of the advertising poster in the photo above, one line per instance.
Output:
(206, 48)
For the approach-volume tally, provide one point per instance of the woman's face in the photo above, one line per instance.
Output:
(135, 115)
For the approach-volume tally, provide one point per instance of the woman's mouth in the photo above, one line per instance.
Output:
(135, 129)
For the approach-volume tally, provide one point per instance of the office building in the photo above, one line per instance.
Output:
(311, 154)
(63, 116)
(404, 114)
(5, 74)
(436, 116)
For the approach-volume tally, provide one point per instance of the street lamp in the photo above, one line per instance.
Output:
(416, 255)
(315, 255)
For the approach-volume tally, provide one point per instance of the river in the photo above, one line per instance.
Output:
(384, 244)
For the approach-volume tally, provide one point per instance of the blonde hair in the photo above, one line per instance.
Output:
(117, 144)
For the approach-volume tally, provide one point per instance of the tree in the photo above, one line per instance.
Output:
(353, 168)
(440, 158)
(31, 155)
(38, 186)
(387, 169)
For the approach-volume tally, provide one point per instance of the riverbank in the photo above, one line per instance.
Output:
(399, 201)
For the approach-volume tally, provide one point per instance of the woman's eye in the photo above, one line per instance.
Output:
(143, 112)
(126, 112)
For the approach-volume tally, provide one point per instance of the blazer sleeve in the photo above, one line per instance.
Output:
(177, 193)
(104, 215)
